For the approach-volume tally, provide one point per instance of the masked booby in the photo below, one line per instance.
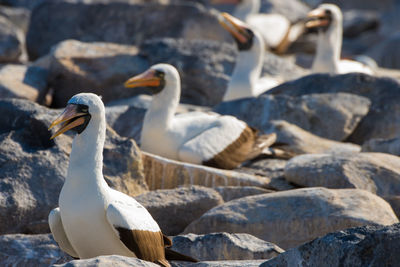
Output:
(94, 219)
(245, 80)
(275, 29)
(328, 19)
(195, 137)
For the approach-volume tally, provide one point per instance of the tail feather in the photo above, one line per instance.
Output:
(261, 143)
(172, 255)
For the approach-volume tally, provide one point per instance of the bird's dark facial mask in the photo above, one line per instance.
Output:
(319, 19)
(152, 79)
(75, 117)
(240, 32)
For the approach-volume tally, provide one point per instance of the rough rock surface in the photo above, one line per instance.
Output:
(362, 246)
(295, 140)
(100, 68)
(104, 261)
(290, 218)
(163, 173)
(385, 53)
(30, 250)
(377, 173)
(229, 193)
(232, 263)
(11, 41)
(309, 112)
(32, 167)
(390, 146)
(18, 16)
(118, 23)
(174, 209)
(19, 81)
(225, 246)
(382, 121)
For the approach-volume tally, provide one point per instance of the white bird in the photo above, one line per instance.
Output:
(195, 137)
(245, 80)
(94, 219)
(328, 19)
(275, 29)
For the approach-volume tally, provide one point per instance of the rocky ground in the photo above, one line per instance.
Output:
(332, 198)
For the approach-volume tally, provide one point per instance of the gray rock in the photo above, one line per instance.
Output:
(18, 16)
(11, 42)
(309, 112)
(362, 246)
(377, 173)
(294, 140)
(20, 81)
(356, 22)
(32, 167)
(385, 53)
(105, 261)
(30, 251)
(290, 218)
(394, 201)
(390, 146)
(382, 121)
(174, 209)
(229, 193)
(118, 23)
(271, 168)
(76, 67)
(225, 246)
(362, 4)
(234, 263)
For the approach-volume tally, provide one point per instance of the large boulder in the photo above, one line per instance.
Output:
(229, 193)
(224, 246)
(30, 250)
(362, 246)
(118, 23)
(385, 53)
(174, 209)
(12, 47)
(163, 173)
(390, 146)
(33, 168)
(20, 81)
(382, 121)
(309, 112)
(100, 68)
(375, 172)
(290, 218)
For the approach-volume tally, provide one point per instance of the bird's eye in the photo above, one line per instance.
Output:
(83, 108)
(160, 74)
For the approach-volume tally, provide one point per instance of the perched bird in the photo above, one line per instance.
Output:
(194, 137)
(94, 219)
(275, 29)
(245, 80)
(328, 19)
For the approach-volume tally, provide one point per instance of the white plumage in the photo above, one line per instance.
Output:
(90, 213)
(328, 19)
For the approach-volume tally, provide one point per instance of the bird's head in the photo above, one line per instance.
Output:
(324, 17)
(239, 30)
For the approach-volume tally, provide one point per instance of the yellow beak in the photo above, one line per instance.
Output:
(147, 78)
(67, 117)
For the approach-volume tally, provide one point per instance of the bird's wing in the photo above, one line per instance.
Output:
(136, 228)
(210, 143)
(57, 229)
(272, 27)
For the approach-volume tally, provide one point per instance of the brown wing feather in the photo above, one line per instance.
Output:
(236, 152)
(146, 245)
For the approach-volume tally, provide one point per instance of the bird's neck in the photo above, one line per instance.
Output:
(86, 158)
(246, 8)
(329, 47)
(245, 75)
(163, 106)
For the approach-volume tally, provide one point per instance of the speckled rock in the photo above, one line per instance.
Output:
(290, 218)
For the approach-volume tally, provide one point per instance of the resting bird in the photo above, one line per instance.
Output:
(194, 137)
(245, 80)
(94, 219)
(275, 29)
(327, 18)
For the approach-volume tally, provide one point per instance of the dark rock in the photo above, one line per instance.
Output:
(19, 81)
(118, 23)
(18, 16)
(385, 53)
(382, 121)
(225, 246)
(292, 217)
(356, 22)
(362, 246)
(233, 263)
(309, 112)
(390, 146)
(362, 4)
(30, 250)
(229, 193)
(174, 209)
(33, 168)
(377, 173)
